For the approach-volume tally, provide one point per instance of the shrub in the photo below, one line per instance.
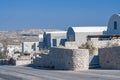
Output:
(109, 44)
(88, 45)
(3, 55)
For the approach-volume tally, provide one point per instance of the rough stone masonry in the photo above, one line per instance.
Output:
(65, 59)
(110, 57)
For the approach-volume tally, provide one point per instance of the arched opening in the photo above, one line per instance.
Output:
(115, 25)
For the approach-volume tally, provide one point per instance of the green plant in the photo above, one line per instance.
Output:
(115, 44)
(88, 45)
(3, 55)
(109, 44)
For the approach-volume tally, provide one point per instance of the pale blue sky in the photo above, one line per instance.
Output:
(55, 14)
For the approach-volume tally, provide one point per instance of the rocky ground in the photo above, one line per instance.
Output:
(17, 36)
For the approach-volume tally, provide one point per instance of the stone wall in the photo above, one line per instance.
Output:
(65, 59)
(23, 62)
(110, 57)
(104, 44)
(96, 44)
(72, 44)
(15, 62)
(3, 62)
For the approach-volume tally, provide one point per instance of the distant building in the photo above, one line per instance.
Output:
(41, 41)
(29, 47)
(54, 39)
(79, 34)
(1, 47)
(113, 29)
(40, 37)
(114, 24)
(12, 49)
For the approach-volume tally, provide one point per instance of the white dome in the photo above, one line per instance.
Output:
(114, 24)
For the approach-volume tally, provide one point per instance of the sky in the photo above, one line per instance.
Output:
(55, 14)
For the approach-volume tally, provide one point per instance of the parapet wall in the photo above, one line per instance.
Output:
(65, 59)
(110, 58)
(73, 44)
(96, 44)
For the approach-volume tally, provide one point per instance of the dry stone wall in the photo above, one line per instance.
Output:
(73, 44)
(110, 57)
(22, 62)
(96, 44)
(65, 59)
(104, 44)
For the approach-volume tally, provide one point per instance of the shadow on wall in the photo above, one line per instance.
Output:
(3, 62)
(110, 58)
(11, 61)
(62, 42)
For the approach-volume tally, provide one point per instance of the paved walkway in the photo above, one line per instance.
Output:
(29, 73)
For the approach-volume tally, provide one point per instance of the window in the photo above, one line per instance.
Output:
(115, 25)
(54, 42)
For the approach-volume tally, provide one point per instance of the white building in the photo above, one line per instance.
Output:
(54, 39)
(30, 47)
(12, 49)
(40, 41)
(1, 47)
(40, 37)
(79, 34)
(114, 24)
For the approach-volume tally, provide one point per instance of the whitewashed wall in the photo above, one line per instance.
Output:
(111, 30)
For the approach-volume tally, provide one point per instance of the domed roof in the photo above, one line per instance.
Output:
(111, 24)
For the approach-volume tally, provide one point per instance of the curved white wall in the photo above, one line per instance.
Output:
(111, 30)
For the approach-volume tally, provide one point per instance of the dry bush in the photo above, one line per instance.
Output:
(88, 45)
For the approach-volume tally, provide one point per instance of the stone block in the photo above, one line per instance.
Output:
(110, 57)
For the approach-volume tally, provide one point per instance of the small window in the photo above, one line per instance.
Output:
(115, 25)
(54, 42)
